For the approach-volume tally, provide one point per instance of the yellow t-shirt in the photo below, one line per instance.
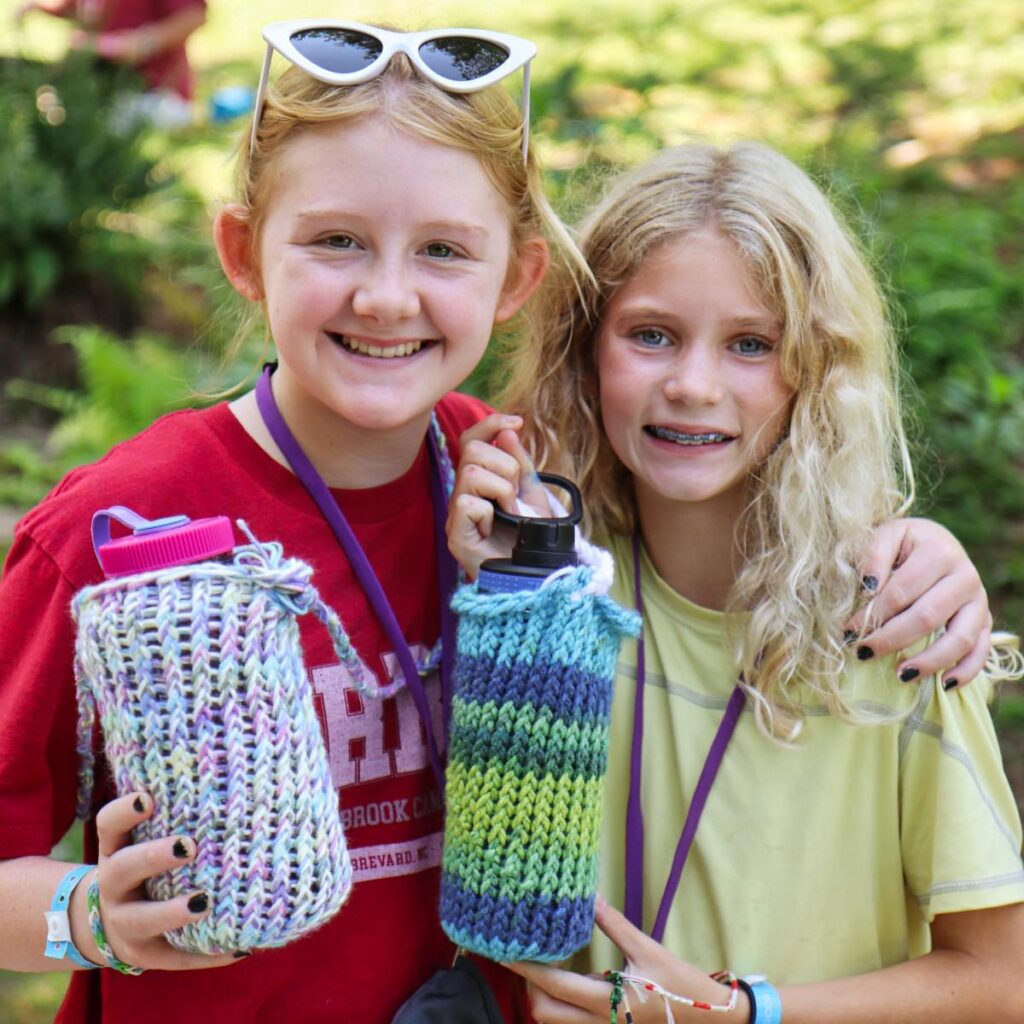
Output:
(821, 861)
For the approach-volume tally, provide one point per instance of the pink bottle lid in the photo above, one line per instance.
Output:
(157, 543)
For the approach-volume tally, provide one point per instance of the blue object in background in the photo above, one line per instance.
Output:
(230, 102)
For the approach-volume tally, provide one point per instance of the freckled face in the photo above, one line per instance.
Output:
(692, 397)
(383, 259)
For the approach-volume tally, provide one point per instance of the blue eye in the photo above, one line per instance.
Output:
(339, 242)
(651, 337)
(751, 346)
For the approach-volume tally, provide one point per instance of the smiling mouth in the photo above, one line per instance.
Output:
(687, 440)
(364, 348)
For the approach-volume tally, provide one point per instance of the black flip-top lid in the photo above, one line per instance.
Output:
(546, 543)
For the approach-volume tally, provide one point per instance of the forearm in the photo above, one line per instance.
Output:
(947, 985)
(58, 8)
(137, 45)
(27, 886)
(175, 29)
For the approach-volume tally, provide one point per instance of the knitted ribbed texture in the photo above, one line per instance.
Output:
(526, 763)
(197, 677)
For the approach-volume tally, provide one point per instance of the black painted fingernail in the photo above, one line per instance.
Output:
(869, 583)
(909, 673)
(865, 654)
(180, 849)
(198, 903)
(849, 636)
(949, 684)
(139, 805)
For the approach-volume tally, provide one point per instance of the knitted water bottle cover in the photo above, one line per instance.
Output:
(526, 763)
(197, 678)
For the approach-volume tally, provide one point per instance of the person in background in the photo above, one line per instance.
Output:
(148, 35)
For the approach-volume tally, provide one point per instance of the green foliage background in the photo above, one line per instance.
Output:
(910, 114)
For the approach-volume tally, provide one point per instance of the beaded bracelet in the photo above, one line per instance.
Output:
(620, 980)
(92, 899)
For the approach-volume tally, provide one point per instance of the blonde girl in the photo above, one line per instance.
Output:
(725, 393)
(388, 218)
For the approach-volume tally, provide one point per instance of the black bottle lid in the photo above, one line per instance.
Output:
(542, 545)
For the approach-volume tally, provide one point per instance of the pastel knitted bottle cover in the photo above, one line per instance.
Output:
(527, 758)
(197, 677)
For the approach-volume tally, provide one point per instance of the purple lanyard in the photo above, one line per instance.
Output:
(321, 494)
(634, 899)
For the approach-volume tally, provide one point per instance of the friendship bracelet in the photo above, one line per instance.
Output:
(617, 998)
(620, 980)
(100, 936)
(59, 943)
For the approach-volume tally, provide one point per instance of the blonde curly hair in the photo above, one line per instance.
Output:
(842, 466)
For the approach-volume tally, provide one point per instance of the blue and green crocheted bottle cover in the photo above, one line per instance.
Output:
(527, 758)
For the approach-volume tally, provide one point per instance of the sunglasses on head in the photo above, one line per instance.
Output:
(347, 52)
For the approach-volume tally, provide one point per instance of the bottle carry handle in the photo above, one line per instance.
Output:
(573, 518)
(126, 517)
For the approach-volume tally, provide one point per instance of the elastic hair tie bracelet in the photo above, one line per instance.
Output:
(642, 986)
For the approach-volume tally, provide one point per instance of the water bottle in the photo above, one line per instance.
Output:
(543, 545)
(188, 654)
(536, 647)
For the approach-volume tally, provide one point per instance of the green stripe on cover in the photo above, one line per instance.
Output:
(528, 739)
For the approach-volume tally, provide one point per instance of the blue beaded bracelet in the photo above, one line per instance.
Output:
(59, 943)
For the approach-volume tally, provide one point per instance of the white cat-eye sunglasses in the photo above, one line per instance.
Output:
(348, 52)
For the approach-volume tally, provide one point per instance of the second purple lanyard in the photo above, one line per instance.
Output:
(634, 896)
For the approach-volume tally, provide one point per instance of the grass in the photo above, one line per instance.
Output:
(30, 998)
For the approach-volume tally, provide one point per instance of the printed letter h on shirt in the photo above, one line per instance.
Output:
(368, 738)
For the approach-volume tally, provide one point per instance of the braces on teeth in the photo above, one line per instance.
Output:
(712, 437)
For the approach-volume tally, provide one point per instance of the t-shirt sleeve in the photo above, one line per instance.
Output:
(38, 709)
(961, 832)
(457, 412)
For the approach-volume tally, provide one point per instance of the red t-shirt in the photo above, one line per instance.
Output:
(386, 940)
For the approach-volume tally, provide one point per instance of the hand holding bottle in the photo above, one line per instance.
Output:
(494, 470)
